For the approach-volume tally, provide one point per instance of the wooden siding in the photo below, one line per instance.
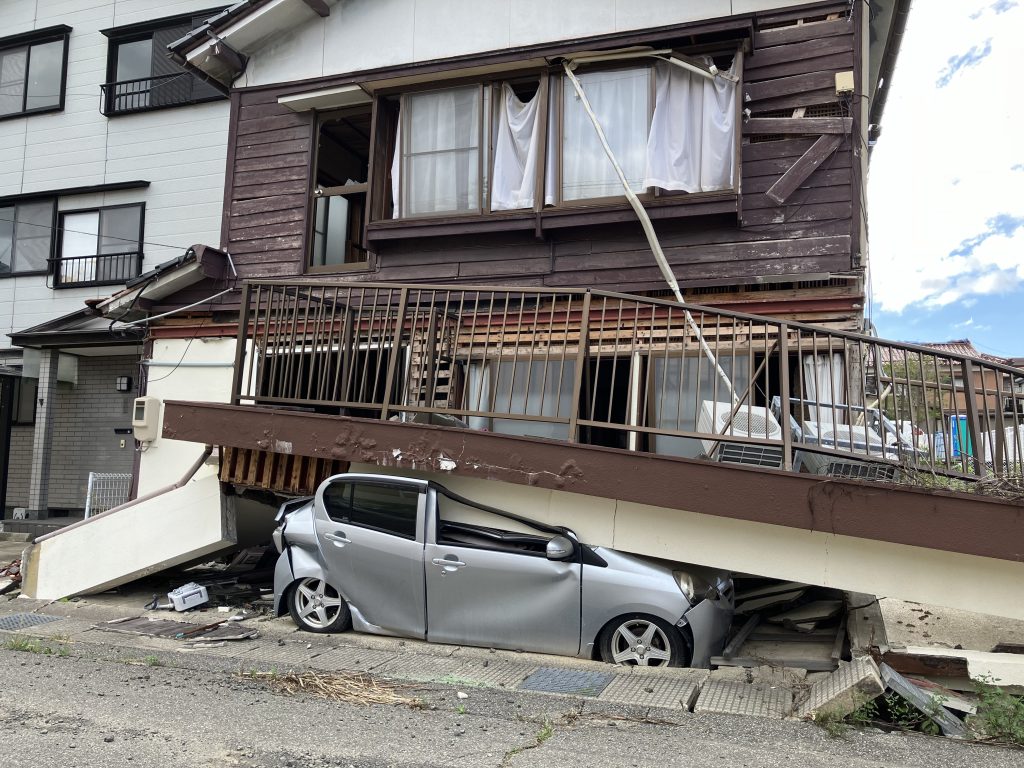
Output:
(789, 77)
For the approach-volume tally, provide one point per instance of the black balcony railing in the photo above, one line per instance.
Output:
(629, 372)
(102, 269)
(155, 92)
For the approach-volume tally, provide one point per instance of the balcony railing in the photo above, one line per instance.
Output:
(628, 372)
(102, 269)
(155, 92)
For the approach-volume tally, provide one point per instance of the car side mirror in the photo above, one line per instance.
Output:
(559, 548)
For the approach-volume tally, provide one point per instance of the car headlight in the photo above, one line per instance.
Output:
(694, 587)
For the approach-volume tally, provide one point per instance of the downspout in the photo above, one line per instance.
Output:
(648, 227)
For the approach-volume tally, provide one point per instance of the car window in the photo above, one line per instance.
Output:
(464, 526)
(380, 507)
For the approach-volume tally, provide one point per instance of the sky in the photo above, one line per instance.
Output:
(946, 181)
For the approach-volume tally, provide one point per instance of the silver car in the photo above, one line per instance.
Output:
(399, 556)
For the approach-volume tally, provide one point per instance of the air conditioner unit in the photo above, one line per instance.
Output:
(751, 455)
(861, 470)
(747, 422)
(859, 439)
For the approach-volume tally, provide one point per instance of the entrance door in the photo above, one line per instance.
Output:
(490, 584)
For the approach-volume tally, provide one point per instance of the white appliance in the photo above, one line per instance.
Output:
(749, 421)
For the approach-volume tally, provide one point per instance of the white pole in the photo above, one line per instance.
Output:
(652, 238)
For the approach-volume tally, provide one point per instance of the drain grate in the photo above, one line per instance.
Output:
(24, 620)
(571, 681)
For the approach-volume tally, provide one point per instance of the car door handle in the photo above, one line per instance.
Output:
(338, 538)
(444, 563)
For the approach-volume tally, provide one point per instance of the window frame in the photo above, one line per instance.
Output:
(28, 41)
(53, 236)
(352, 484)
(563, 213)
(57, 257)
(117, 36)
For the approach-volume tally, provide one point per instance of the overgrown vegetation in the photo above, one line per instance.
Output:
(339, 686)
(1000, 715)
(27, 645)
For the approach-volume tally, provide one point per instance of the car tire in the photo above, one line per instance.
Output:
(641, 640)
(316, 606)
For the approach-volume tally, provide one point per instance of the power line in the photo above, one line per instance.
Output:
(56, 228)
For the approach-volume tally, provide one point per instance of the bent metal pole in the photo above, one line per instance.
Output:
(652, 238)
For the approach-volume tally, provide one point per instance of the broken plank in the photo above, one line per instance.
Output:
(770, 589)
(759, 603)
(741, 637)
(837, 646)
(925, 702)
(819, 610)
(807, 164)
(803, 125)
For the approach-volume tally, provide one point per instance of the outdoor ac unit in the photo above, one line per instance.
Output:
(858, 439)
(748, 422)
(861, 470)
(751, 455)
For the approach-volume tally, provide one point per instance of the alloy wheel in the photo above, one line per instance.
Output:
(317, 603)
(640, 642)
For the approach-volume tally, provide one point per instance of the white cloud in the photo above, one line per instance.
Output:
(946, 173)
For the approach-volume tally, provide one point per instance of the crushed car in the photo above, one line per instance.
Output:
(407, 557)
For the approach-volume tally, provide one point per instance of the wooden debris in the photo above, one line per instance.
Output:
(760, 603)
(961, 702)
(925, 702)
(807, 615)
(741, 637)
(771, 589)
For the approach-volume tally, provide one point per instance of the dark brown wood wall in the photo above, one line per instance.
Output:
(813, 231)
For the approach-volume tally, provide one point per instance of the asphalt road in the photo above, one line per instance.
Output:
(85, 711)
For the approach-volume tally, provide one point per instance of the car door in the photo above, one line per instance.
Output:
(490, 594)
(371, 536)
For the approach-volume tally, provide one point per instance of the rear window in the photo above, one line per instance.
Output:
(380, 507)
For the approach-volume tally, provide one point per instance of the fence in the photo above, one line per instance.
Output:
(629, 372)
(106, 490)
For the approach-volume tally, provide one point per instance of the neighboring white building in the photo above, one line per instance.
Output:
(112, 162)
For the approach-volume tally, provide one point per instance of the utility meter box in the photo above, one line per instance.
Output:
(146, 419)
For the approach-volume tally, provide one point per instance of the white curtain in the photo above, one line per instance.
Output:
(621, 100)
(516, 151)
(823, 384)
(440, 169)
(691, 146)
(396, 165)
(523, 388)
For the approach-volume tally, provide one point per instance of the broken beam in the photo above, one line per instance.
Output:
(804, 125)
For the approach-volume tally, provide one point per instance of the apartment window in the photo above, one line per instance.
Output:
(26, 237)
(529, 143)
(99, 246)
(26, 391)
(140, 74)
(33, 71)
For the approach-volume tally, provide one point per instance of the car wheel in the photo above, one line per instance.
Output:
(316, 606)
(645, 641)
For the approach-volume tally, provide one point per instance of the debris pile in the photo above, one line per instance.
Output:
(10, 577)
(355, 688)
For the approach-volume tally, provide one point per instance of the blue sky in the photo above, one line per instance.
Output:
(946, 184)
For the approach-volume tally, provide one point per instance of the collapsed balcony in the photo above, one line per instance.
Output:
(632, 373)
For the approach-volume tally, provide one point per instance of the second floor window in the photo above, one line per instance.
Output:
(100, 246)
(140, 74)
(32, 73)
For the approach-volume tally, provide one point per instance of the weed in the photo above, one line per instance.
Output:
(23, 644)
(460, 709)
(545, 733)
(832, 722)
(152, 661)
(1000, 714)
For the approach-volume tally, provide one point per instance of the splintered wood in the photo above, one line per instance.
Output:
(339, 686)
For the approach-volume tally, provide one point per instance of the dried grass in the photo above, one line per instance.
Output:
(354, 688)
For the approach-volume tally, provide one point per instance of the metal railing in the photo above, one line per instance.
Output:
(629, 372)
(101, 269)
(144, 93)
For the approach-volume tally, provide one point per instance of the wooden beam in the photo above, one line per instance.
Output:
(805, 165)
(769, 125)
(319, 7)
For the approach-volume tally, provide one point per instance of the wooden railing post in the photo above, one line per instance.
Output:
(973, 425)
(396, 348)
(240, 359)
(577, 378)
(787, 435)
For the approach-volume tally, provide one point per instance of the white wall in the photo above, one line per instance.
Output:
(365, 34)
(181, 151)
(163, 461)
